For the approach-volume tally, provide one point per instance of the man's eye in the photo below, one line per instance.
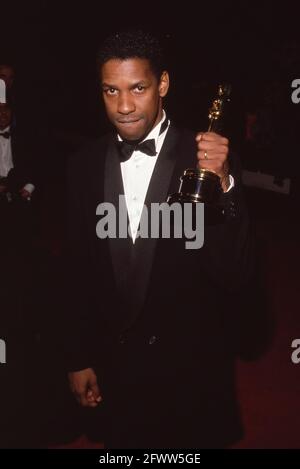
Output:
(110, 91)
(139, 88)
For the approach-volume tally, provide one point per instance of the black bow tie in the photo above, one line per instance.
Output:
(147, 146)
(5, 134)
(126, 148)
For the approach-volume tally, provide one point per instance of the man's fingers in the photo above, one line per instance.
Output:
(96, 392)
(211, 137)
(201, 156)
(199, 136)
(89, 400)
(86, 398)
(211, 146)
(89, 397)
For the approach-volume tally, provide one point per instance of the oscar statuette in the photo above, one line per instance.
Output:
(199, 184)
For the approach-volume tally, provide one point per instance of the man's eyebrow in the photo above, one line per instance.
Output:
(133, 85)
(109, 85)
(138, 83)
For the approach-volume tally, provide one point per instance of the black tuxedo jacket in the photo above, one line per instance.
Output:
(162, 324)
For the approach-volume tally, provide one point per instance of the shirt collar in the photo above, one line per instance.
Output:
(7, 129)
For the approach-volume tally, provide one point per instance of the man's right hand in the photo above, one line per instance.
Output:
(84, 386)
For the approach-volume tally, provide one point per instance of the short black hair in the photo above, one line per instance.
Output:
(133, 44)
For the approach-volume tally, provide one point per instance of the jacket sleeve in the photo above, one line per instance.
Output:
(76, 327)
(233, 262)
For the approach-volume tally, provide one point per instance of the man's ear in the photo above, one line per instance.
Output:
(163, 84)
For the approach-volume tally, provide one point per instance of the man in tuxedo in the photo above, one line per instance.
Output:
(153, 328)
(16, 180)
(16, 168)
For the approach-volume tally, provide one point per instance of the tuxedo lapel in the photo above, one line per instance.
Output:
(113, 184)
(121, 249)
(161, 178)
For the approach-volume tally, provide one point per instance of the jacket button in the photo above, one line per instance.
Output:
(152, 339)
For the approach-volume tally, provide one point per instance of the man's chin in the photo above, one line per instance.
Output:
(134, 136)
(131, 130)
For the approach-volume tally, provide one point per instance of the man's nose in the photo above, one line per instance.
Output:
(126, 103)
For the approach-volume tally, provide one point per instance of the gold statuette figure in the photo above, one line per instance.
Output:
(203, 185)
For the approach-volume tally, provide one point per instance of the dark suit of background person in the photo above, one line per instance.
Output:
(160, 324)
(18, 179)
(16, 287)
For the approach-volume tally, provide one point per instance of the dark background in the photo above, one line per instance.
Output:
(53, 45)
(254, 47)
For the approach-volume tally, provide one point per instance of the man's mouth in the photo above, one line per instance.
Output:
(128, 121)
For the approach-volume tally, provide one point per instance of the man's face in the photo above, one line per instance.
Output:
(7, 75)
(132, 96)
(5, 116)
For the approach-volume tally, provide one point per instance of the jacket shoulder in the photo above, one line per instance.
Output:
(89, 150)
(87, 158)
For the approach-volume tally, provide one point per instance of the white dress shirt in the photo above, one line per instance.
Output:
(6, 163)
(136, 175)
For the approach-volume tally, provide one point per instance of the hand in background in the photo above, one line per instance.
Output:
(26, 195)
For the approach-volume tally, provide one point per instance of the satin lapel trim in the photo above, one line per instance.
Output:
(120, 248)
(163, 171)
(113, 183)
